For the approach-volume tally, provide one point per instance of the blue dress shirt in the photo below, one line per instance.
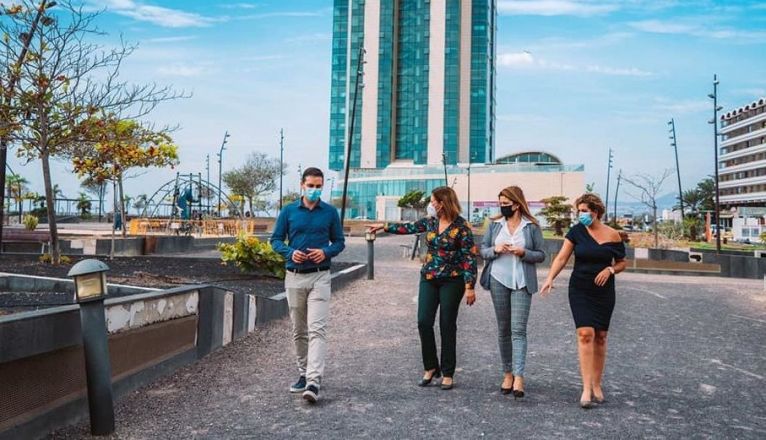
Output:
(304, 229)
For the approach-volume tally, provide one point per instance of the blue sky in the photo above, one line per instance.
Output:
(574, 78)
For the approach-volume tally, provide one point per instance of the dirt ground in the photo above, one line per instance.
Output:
(160, 272)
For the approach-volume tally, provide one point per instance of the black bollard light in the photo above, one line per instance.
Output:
(370, 237)
(90, 291)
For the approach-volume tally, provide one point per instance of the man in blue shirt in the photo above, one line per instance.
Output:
(314, 235)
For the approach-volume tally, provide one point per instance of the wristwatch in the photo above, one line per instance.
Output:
(611, 269)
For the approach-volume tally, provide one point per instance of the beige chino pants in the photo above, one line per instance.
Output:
(308, 297)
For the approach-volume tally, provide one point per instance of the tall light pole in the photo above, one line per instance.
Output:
(12, 76)
(281, 164)
(619, 178)
(207, 191)
(714, 121)
(444, 163)
(608, 176)
(357, 85)
(673, 144)
(220, 159)
(469, 191)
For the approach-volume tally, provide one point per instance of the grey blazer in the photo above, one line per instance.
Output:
(533, 254)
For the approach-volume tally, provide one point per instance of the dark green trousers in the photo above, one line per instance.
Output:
(444, 294)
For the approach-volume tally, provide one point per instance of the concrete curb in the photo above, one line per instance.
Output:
(275, 307)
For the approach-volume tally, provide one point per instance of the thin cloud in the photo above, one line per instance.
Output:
(177, 39)
(159, 15)
(525, 60)
(283, 14)
(696, 29)
(674, 107)
(554, 7)
(238, 6)
(185, 70)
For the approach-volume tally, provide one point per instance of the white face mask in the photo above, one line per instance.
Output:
(431, 210)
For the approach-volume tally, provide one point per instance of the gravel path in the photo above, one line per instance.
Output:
(686, 360)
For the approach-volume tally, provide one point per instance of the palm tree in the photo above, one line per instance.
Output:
(83, 205)
(140, 202)
(692, 199)
(17, 186)
(57, 194)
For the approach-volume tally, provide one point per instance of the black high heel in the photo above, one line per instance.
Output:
(518, 394)
(425, 382)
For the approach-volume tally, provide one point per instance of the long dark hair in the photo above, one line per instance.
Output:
(516, 195)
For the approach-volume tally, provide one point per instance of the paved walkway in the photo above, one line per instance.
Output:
(686, 360)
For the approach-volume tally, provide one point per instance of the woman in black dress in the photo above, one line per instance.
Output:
(599, 256)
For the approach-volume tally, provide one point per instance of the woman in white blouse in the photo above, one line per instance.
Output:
(511, 248)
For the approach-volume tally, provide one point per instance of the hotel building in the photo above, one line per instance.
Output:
(742, 168)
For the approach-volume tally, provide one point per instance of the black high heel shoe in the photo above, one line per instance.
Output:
(425, 382)
(518, 394)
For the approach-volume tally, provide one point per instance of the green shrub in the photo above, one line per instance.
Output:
(250, 254)
(30, 222)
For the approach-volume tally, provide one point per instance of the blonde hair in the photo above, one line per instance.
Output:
(447, 197)
(593, 202)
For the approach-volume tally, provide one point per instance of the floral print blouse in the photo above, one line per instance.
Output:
(451, 254)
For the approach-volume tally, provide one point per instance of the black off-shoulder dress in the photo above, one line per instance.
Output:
(591, 305)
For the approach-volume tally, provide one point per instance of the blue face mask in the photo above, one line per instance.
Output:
(585, 218)
(313, 194)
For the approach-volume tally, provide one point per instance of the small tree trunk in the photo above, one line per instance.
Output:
(114, 219)
(654, 226)
(122, 208)
(101, 189)
(55, 254)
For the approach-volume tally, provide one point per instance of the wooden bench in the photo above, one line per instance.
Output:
(23, 236)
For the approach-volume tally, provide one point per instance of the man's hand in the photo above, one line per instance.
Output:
(299, 257)
(316, 255)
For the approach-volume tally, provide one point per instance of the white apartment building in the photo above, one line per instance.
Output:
(742, 168)
(742, 158)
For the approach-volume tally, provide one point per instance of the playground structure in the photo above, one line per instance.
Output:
(184, 206)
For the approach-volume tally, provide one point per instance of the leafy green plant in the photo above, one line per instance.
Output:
(251, 254)
(30, 222)
(557, 213)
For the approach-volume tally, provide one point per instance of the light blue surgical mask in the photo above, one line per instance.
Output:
(585, 218)
(313, 194)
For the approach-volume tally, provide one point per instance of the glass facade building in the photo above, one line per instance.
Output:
(429, 82)
(429, 89)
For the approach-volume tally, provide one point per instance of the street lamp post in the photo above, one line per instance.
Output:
(220, 159)
(469, 191)
(674, 144)
(13, 78)
(359, 74)
(444, 163)
(619, 178)
(714, 121)
(281, 164)
(90, 291)
(608, 175)
(208, 196)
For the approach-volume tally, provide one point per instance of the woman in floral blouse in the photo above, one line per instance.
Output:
(449, 273)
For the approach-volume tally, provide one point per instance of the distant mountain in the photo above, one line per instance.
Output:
(627, 205)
